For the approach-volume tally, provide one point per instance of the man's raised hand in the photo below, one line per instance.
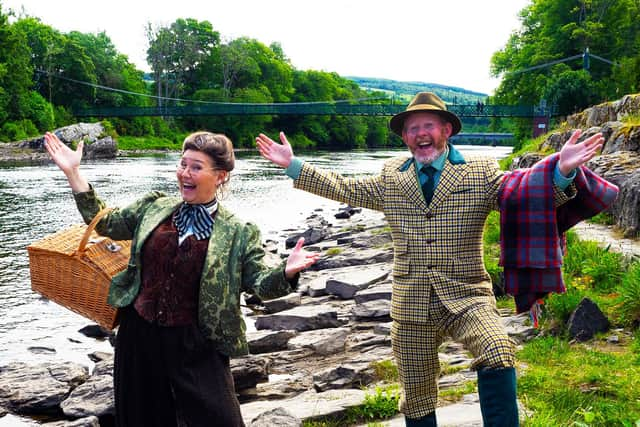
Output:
(574, 154)
(280, 154)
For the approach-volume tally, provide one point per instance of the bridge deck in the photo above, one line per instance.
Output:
(343, 109)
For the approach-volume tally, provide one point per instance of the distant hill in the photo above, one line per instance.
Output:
(406, 90)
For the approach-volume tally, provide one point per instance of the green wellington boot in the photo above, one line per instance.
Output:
(426, 421)
(498, 402)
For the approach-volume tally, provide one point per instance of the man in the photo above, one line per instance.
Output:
(436, 203)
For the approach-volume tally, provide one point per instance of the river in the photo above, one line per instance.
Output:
(36, 201)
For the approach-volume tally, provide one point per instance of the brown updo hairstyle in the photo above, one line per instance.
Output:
(218, 147)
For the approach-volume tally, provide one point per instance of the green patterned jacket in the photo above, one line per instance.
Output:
(233, 264)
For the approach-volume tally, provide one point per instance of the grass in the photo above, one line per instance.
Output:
(579, 384)
(131, 143)
(333, 251)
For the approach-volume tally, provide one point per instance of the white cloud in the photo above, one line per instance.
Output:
(445, 42)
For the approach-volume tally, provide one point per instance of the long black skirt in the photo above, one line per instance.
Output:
(170, 376)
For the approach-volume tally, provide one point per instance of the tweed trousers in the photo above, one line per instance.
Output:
(415, 347)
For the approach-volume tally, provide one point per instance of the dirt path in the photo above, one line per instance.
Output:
(606, 236)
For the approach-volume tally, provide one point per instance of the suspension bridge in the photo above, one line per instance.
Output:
(307, 108)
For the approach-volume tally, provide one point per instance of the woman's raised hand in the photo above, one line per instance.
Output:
(67, 160)
(280, 154)
(299, 259)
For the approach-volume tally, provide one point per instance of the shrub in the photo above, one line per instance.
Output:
(597, 268)
(560, 306)
(382, 404)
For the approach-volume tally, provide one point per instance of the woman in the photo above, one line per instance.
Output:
(180, 318)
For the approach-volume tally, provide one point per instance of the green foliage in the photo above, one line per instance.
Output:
(382, 404)
(552, 32)
(589, 266)
(18, 130)
(62, 116)
(604, 218)
(630, 296)
(560, 306)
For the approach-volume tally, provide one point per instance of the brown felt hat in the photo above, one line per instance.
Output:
(425, 102)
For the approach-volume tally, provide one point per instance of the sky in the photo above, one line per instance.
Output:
(448, 42)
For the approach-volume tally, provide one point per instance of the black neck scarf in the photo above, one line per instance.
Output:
(197, 219)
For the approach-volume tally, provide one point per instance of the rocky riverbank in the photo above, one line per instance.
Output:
(313, 352)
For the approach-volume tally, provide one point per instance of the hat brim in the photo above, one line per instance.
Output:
(397, 122)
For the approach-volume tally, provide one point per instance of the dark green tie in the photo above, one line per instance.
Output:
(428, 187)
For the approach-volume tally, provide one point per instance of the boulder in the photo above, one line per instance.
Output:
(94, 397)
(587, 320)
(38, 389)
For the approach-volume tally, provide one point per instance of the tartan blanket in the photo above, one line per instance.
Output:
(532, 228)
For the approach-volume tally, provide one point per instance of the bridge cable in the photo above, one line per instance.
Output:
(107, 88)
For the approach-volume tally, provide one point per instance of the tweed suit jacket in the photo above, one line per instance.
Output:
(437, 248)
(233, 264)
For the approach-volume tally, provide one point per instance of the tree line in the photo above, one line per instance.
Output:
(46, 74)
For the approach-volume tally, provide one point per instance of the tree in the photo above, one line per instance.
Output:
(552, 32)
(64, 73)
(15, 71)
(176, 52)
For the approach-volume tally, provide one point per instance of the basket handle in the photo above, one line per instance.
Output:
(90, 227)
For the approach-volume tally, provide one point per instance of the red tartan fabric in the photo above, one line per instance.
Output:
(531, 232)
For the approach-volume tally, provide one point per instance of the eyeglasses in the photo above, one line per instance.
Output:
(414, 130)
(194, 169)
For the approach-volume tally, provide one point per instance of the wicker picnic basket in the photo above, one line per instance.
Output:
(74, 267)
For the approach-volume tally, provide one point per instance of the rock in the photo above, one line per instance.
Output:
(97, 145)
(81, 422)
(94, 397)
(249, 370)
(358, 342)
(311, 236)
(103, 367)
(321, 341)
(98, 356)
(347, 212)
(382, 328)
(317, 287)
(95, 331)
(278, 387)
(379, 309)
(38, 389)
(278, 417)
(621, 168)
(587, 320)
(351, 257)
(374, 292)
(518, 329)
(267, 341)
(300, 319)
(345, 282)
(41, 350)
(103, 148)
(308, 405)
(343, 376)
(283, 303)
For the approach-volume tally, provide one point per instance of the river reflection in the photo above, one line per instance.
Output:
(36, 201)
